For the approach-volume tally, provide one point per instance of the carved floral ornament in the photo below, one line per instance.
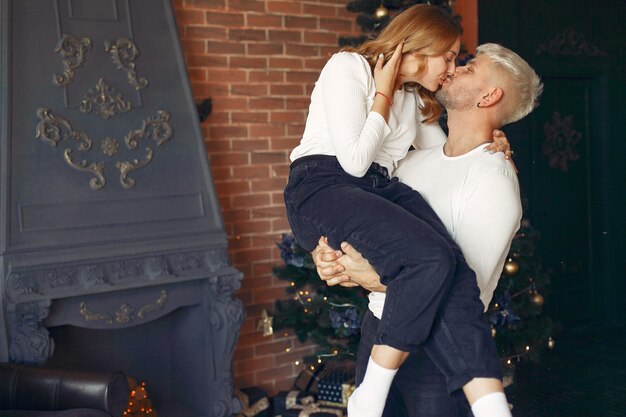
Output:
(568, 43)
(125, 313)
(103, 98)
(560, 142)
(54, 130)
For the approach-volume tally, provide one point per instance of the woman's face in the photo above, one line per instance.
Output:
(437, 68)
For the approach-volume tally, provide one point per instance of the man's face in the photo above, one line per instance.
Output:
(462, 91)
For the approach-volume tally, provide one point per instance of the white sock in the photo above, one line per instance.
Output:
(492, 405)
(368, 400)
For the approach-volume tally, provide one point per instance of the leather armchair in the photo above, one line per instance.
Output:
(39, 392)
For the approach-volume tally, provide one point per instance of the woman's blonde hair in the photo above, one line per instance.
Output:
(425, 30)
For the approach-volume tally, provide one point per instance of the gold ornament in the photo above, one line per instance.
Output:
(381, 12)
(551, 343)
(265, 324)
(511, 267)
(536, 298)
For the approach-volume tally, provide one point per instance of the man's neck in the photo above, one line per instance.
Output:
(466, 131)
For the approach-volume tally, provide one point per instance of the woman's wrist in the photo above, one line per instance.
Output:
(385, 96)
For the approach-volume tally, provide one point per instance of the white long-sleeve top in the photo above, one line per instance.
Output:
(476, 196)
(341, 124)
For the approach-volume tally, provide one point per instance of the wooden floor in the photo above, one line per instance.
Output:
(584, 376)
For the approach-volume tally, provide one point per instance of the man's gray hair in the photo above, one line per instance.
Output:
(525, 82)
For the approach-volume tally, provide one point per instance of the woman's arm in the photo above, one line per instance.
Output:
(357, 131)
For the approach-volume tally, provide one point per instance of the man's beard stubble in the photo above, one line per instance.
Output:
(459, 100)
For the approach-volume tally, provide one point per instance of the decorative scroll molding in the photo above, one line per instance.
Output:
(125, 313)
(29, 341)
(123, 53)
(156, 128)
(105, 99)
(96, 168)
(560, 142)
(61, 280)
(568, 43)
(74, 50)
(53, 129)
(127, 167)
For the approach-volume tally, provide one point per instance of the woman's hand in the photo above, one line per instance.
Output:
(386, 73)
(500, 144)
(327, 265)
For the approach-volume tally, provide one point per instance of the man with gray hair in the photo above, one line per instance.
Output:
(477, 198)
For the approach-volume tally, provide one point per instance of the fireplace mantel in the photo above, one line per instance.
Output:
(112, 244)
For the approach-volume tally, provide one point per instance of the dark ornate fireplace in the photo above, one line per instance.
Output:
(112, 245)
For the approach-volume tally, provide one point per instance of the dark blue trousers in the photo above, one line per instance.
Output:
(432, 296)
(419, 388)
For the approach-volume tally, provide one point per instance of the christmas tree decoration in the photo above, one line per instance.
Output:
(381, 12)
(373, 16)
(265, 324)
(536, 298)
(511, 267)
(551, 342)
(138, 402)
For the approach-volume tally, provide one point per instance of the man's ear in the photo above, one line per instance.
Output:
(491, 97)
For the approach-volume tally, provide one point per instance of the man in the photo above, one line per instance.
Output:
(475, 195)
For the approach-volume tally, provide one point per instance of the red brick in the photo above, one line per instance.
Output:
(244, 353)
(206, 61)
(288, 7)
(268, 184)
(194, 46)
(225, 48)
(284, 35)
(225, 19)
(268, 212)
(300, 22)
(254, 364)
(265, 49)
(287, 90)
(244, 62)
(336, 25)
(267, 103)
(228, 131)
(320, 38)
(217, 146)
(265, 76)
(302, 50)
(206, 4)
(322, 11)
(229, 103)
(235, 215)
(259, 158)
(249, 117)
(253, 172)
(283, 371)
(280, 225)
(264, 21)
(296, 130)
(247, 35)
(287, 117)
(229, 158)
(308, 77)
(232, 187)
(247, 5)
(252, 200)
(224, 76)
(298, 103)
(251, 226)
(288, 63)
(250, 144)
(204, 32)
(274, 347)
(316, 63)
(272, 131)
(197, 74)
(249, 89)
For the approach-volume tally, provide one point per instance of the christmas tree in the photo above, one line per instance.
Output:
(373, 16)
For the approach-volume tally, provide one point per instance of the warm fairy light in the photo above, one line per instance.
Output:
(527, 348)
(319, 360)
(308, 300)
(508, 361)
(312, 367)
(306, 292)
(297, 362)
(301, 292)
(306, 310)
(288, 350)
(325, 298)
(293, 284)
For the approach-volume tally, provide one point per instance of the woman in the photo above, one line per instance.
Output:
(368, 106)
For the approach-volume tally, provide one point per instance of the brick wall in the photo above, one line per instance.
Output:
(258, 61)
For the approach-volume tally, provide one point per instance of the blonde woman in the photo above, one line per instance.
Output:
(368, 107)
